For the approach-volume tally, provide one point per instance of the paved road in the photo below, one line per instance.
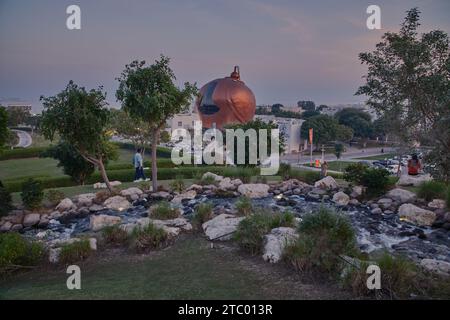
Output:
(25, 139)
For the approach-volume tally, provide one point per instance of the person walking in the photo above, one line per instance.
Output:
(324, 169)
(138, 166)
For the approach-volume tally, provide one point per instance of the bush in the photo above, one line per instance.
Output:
(54, 197)
(32, 194)
(376, 181)
(74, 252)
(244, 206)
(114, 235)
(5, 201)
(243, 173)
(177, 184)
(203, 213)
(208, 180)
(22, 153)
(430, 190)
(354, 172)
(15, 251)
(306, 176)
(164, 211)
(285, 171)
(148, 237)
(251, 231)
(323, 236)
(448, 198)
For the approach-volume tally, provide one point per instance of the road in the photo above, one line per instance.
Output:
(25, 139)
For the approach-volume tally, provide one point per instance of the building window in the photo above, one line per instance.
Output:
(180, 123)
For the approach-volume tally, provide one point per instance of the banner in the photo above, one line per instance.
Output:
(311, 136)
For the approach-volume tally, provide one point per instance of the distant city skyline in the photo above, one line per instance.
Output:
(287, 50)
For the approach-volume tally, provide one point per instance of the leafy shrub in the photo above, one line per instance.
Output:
(245, 174)
(354, 172)
(164, 211)
(244, 206)
(114, 235)
(54, 197)
(177, 184)
(5, 201)
(208, 180)
(284, 219)
(250, 232)
(22, 153)
(74, 252)
(148, 237)
(16, 251)
(32, 194)
(285, 171)
(430, 190)
(203, 213)
(376, 181)
(323, 236)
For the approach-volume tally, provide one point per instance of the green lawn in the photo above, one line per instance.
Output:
(379, 157)
(190, 269)
(16, 168)
(336, 165)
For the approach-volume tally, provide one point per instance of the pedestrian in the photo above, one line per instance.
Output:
(414, 165)
(324, 169)
(138, 166)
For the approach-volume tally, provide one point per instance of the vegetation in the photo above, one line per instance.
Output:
(203, 213)
(75, 252)
(410, 90)
(32, 194)
(114, 235)
(358, 120)
(5, 201)
(21, 153)
(149, 94)
(375, 180)
(244, 206)
(178, 184)
(164, 211)
(54, 197)
(4, 131)
(251, 231)
(323, 236)
(326, 129)
(430, 190)
(148, 238)
(16, 252)
(285, 171)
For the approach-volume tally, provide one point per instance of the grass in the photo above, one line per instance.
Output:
(39, 167)
(164, 211)
(379, 157)
(203, 213)
(189, 269)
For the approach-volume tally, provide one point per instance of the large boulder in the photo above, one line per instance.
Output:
(143, 222)
(102, 220)
(118, 203)
(407, 180)
(254, 190)
(191, 194)
(216, 177)
(357, 191)
(385, 203)
(65, 205)
(132, 193)
(276, 241)
(341, 198)
(85, 199)
(437, 204)
(221, 227)
(401, 195)
(102, 185)
(436, 266)
(31, 219)
(226, 184)
(327, 183)
(416, 215)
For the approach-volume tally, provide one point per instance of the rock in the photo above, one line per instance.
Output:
(254, 190)
(85, 199)
(216, 177)
(53, 255)
(376, 211)
(93, 243)
(100, 221)
(401, 195)
(182, 223)
(191, 194)
(65, 205)
(95, 208)
(171, 231)
(236, 182)
(385, 203)
(437, 204)
(17, 227)
(100, 185)
(43, 221)
(354, 202)
(416, 215)
(436, 266)
(276, 241)
(407, 180)
(118, 203)
(31, 219)
(161, 195)
(357, 191)
(196, 187)
(132, 193)
(6, 226)
(221, 227)
(341, 198)
(327, 183)
(225, 184)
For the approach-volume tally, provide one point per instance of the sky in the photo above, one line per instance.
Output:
(287, 50)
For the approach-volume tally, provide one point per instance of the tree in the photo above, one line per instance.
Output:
(71, 161)
(136, 130)
(309, 114)
(338, 150)
(344, 133)
(408, 82)
(16, 116)
(148, 93)
(165, 136)
(307, 105)
(324, 126)
(276, 107)
(4, 132)
(358, 120)
(81, 119)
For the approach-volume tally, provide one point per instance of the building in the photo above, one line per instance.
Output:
(26, 107)
(182, 121)
(289, 128)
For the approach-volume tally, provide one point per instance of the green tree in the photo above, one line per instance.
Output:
(276, 107)
(4, 132)
(17, 116)
(148, 93)
(358, 120)
(307, 105)
(338, 150)
(408, 82)
(344, 133)
(310, 113)
(81, 119)
(71, 161)
(325, 129)
(165, 136)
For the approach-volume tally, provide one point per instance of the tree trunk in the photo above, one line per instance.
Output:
(101, 167)
(154, 159)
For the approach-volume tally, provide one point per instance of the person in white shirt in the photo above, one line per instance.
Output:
(138, 165)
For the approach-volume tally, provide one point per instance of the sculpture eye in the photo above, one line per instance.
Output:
(207, 105)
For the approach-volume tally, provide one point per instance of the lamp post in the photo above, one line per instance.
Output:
(323, 151)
